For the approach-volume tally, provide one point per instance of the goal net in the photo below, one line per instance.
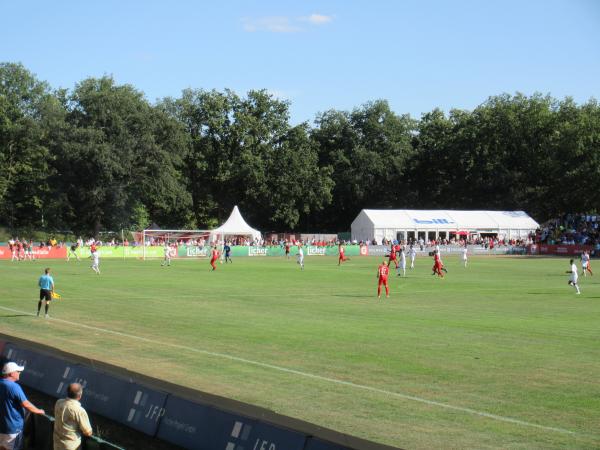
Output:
(153, 238)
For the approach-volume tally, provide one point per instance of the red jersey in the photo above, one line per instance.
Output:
(287, 248)
(215, 254)
(397, 248)
(342, 251)
(383, 270)
(93, 248)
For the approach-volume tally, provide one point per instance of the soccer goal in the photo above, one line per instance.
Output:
(161, 237)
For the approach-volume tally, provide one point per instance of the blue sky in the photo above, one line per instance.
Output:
(318, 54)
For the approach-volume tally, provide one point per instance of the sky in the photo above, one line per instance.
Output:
(318, 55)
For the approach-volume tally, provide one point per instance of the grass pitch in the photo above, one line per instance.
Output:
(502, 354)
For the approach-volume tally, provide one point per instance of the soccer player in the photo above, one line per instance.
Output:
(589, 263)
(402, 262)
(46, 284)
(382, 278)
(300, 257)
(573, 278)
(464, 255)
(95, 256)
(214, 257)
(287, 249)
(437, 265)
(342, 257)
(585, 264)
(167, 252)
(393, 256)
(413, 256)
(73, 251)
(227, 250)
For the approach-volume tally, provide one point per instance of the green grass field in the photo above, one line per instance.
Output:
(502, 354)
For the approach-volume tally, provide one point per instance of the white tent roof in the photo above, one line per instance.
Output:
(445, 219)
(235, 226)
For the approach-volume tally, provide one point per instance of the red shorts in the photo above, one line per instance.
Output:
(382, 281)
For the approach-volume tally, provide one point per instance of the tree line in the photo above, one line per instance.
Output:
(100, 156)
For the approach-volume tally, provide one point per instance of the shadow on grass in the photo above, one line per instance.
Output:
(7, 316)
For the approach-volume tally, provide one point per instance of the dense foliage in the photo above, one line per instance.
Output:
(101, 157)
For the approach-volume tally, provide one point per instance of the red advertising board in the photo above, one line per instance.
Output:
(547, 249)
(38, 252)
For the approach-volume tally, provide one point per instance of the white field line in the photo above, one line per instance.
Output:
(305, 374)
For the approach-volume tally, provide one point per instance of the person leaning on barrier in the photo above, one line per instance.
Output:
(12, 402)
(70, 420)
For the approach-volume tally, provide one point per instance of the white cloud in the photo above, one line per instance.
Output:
(283, 24)
(318, 19)
(273, 24)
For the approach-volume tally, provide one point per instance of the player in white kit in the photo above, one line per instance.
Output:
(464, 256)
(573, 276)
(402, 263)
(300, 257)
(413, 256)
(96, 262)
(167, 260)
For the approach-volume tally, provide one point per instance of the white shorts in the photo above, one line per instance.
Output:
(573, 278)
(8, 441)
(300, 260)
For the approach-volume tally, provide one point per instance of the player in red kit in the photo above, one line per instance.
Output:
(437, 265)
(214, 257)
(93, 248)
(382, 274)
(393, 256)
(342, 257)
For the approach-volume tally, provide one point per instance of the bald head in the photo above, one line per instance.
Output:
(74, 391)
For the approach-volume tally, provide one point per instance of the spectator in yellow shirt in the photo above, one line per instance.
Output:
(70, 420)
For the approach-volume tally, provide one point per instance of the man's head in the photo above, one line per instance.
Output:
(47, 270)
(75, 391)
(12, 370)
(571, 262)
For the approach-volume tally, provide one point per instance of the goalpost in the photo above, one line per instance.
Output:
(170, 235)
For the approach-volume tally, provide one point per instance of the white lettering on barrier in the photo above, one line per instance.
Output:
(316, 251)
(263, 445)
(154, 412)
(180, 426)
(257, 251)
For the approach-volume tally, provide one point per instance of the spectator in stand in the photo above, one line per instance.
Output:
(12, 402)
(70, 420)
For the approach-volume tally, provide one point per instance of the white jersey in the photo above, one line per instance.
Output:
(573, 276)
(413, 254)
(464, 254)
(402, 260)
(167, 251)
(585, 259)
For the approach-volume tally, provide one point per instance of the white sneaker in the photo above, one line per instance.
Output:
(46, 316)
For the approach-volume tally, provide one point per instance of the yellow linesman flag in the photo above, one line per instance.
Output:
(55, 295)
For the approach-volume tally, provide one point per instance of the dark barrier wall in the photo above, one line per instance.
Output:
(175, 414)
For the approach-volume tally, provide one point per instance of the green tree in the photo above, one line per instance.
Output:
(27, 112)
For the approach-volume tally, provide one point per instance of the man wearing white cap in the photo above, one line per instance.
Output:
(12, 402)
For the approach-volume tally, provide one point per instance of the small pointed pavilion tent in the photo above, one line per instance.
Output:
(234, 226)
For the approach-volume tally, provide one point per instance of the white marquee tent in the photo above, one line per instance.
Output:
(432, 224)
(234, 226)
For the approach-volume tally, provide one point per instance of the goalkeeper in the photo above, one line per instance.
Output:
(46, 284)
